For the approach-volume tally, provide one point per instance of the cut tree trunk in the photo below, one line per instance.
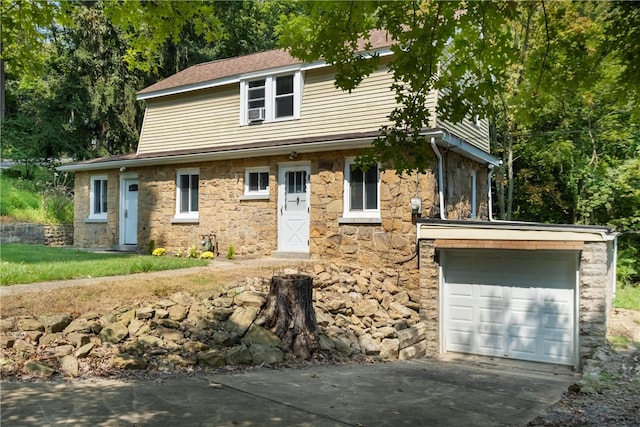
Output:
(290, 315)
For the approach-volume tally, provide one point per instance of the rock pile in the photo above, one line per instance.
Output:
(359, 312)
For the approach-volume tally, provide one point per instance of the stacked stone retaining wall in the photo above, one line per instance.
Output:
(40, 234)
(360, 313)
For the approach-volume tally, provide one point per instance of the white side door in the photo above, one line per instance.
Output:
(129, 212)
(293, 209)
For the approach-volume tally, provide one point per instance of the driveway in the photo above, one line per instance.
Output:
(409, 393)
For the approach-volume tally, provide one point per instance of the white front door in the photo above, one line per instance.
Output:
(293, 209)
(129, 212)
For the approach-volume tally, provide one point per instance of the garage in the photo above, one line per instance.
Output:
(529, 291)
(514, 304)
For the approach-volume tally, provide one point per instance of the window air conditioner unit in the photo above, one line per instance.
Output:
(256, 114)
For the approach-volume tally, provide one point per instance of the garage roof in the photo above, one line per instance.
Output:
(512, 231)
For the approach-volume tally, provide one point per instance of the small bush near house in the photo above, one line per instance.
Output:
(193, 252)
(231, 252)
(159, 252)
(207, 255)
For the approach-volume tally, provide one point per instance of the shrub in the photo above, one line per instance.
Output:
(207, 255)
(159, 252)
(231, 252)
(193, 252)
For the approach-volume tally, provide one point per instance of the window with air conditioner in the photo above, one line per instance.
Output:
(271, 98)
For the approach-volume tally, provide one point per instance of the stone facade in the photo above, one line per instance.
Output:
(39, 234)
(594, 294)
(251, 225)
(596, 273)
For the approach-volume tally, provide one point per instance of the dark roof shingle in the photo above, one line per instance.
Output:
(222, 68)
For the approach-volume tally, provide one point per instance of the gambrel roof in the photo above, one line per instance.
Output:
(199, 74)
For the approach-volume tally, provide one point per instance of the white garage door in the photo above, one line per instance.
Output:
(507, 303)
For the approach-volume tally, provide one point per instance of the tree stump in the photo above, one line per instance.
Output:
(290, 315)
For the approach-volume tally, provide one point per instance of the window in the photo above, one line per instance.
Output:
(284, 97)
(98, 197)
(270, 98)
(187, 194)
(256, 183)
(256, 94)
(474, 203)
(361, 191)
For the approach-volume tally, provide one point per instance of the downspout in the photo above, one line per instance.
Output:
(440, 178)
(489, 199)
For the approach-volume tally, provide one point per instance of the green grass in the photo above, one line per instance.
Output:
(22, 263)
(628, 297)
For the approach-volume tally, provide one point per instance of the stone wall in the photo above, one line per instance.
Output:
(430, 295)
(595, 296)
(51, 235)
(360, 313)
(251, 225)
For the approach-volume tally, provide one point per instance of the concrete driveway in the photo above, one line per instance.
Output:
(409, 393)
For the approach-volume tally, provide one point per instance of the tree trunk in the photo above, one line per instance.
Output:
(289, 314)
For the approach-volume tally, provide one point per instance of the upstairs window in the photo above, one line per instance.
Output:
(361, 191)
(284, 97)
(98, 197)
(271, 98)
(187, 194)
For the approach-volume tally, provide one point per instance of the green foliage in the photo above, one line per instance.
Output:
(231, 252)
(46, 199)
(36, 263)
(628, 297)
(25, 25)
(193, 252)
(149, 25)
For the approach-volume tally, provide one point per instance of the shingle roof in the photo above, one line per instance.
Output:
(223, 68)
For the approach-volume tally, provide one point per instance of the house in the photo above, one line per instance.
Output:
(258, 152)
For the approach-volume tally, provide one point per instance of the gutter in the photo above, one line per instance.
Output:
(229, 154)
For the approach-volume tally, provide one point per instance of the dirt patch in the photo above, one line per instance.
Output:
(625, 323)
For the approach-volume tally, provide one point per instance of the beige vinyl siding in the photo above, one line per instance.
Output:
(211, 118)
(478, 136)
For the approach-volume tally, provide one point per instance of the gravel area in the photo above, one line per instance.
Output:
(607, 395)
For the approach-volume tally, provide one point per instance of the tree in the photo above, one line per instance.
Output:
(24, 25)
(471, 50)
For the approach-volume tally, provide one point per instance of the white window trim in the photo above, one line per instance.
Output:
(260, 194)
(186, 216)
(366, 215)
(270, 97)
(92, 215)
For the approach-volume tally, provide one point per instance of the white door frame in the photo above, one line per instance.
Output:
(122, 215)
(283, 168)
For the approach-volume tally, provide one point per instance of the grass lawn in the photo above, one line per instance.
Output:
(37, 263)
(628, 297)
